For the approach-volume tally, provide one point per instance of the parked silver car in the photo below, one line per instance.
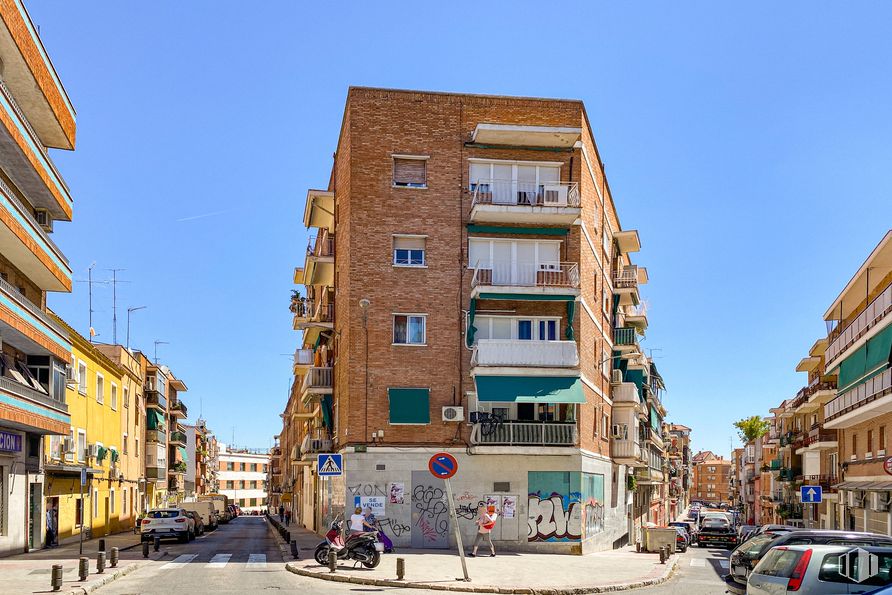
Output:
(821, 570)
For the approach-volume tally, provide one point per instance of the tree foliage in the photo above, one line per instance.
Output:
(751, 428)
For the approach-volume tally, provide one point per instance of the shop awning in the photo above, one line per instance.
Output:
(870, 486)
(529, 389)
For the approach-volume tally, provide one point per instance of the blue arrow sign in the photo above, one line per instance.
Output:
(811, 494)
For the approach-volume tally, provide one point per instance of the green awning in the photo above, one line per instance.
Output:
(529, 389)
(154, 418)
(472, 330)
(327, 411)
(540, 231)
(183, 452)
(100, 454)
(867, 361)
(527, 297)
(114, 454)
(571, 310)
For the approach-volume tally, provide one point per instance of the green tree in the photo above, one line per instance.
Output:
(751, 428)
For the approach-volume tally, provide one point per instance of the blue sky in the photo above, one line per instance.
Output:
(748, 144)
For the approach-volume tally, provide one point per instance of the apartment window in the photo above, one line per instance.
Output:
(127, 398)
(79, 512)
(854, 446)
(507, 327)
(111, 501)
(408, 251)
(230, 466)
(513, 262)
(136, 447)
(124, 444)
(881, 443)
(242, 466)
(870, 442)
(408, 329)
(605, 425)
(410, 171)
(100, 388)
(124, 501)
(95, 504)
(82, 378)
(114, 396)
(81, 445)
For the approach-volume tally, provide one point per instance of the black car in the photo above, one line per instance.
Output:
(745, 556)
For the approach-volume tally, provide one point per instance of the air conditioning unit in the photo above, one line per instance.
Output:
(616, 377)
(70, 376)
(453, 413)
(92, 450)
(67, 445)
(44, 219)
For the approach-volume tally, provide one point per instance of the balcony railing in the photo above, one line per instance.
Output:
(155, 436)
(872, 389)
(303, 357)
(178, 466)
(318, 444)
(157, 472)
(624, 336)
(627, 449)
(807, 391)
(514, 352)
(841, 338)
(323, 246)
(526, 274)
(775, 464)
(26, 392)
(31, 307)
(825, 481)
(626, 278)
(820, 435)
(318, 378)
(527, 194)
(156, 400)
(178, 437)
(524, 433)
(179, 407)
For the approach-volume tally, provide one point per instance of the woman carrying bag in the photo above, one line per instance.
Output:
(486, 522)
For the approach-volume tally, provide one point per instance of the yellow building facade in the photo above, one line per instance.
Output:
(102, 395)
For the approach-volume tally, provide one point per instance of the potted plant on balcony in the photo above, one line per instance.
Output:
(631, 483)
(296, 301)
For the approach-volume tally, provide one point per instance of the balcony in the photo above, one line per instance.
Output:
(649, 476)
(625, 339)
(627, 241)
(173, 484)
(319, 209)
(841, 338)
(788, 474)
(319, 265)
(825, 481)
(775, 464)
(524, 433)
(311, 446)
(626, 282)
(317, 382)
(500, 279)
(308, 314)
(25, 326)
(526, 203)
(159, 436)
(517, 353)
(178, 438)
(818, 393)
(526, 135)
(155, 400)
(178, 409)
(157, 472)
(866, 401)
(821, 439)
(178, 467)
(303, 358)
(627, 452)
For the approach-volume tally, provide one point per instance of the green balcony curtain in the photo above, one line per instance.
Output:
(154, 419)
(571, 310)
(183, 453)
(529, 389)
(100, 455)
(327, 411)
(867, 361)
(472, 330)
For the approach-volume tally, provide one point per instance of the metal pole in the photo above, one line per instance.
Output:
(454, 520)
(81, 504)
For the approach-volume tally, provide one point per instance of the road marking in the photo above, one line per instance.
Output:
(219, 561)
(180, 561)
(698, 562)
(256, 561)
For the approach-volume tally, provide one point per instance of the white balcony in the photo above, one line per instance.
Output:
(523, 433)
(507, 277)
(864, 402)
(303, 358)
(525, 135)
(531, 203)
(317, 382)
(517, 353)
(628, 452)
(846, 337)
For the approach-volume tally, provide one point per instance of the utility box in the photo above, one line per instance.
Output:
(657, 537)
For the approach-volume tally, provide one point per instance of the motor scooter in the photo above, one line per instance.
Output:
(362, 547)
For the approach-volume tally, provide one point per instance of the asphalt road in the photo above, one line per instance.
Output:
(700, 572)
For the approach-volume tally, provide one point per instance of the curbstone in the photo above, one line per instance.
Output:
(106, 578)
(670, 569)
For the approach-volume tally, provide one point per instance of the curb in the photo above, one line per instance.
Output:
(106, 579)
(465, 588)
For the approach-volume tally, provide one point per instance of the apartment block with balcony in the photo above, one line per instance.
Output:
(678, 451)
(712, 477)
(481, 270)
(35, 116)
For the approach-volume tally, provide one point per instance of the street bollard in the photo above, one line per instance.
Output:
(295, 552)
(101, 545)
(83, 568)
(287, 535)
(662, 555)
(145, 549)
(56, 577)
(400, 568)
(332, 560)
(157, 543)
(638, 546)
(113, 559)
(100, 562)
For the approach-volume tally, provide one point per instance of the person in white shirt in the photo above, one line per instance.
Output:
(356, 522)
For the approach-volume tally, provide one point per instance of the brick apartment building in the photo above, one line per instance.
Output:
(711, 478)
(470, 289)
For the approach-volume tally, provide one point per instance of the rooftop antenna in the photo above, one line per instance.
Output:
(114, 284)
(89, 283)
(157, 343)
(130, 311)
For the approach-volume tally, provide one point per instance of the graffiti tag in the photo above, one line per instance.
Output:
(548, 520)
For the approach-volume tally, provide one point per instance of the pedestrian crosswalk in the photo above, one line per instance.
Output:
(218, 561)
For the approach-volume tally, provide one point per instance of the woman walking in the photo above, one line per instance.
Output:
(485, 524)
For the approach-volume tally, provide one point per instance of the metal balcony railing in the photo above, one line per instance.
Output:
(32, 308)
(807, 391)
(626, 278)
(317, 444)
(179, 406)
(155, 436)
(178, 437)
(513, 352)
(17, 389)
(318, 378)
(526, 274)
(321, 246)
(624, 336)
(303, 357)
(156, 400)
(529, 194)
(872, 389)
(523, 433)
(842, 337)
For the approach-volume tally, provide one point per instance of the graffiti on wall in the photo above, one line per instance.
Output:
(467, 505)
(431, 512)
(393, 527)
(593, 497)
(554, 517)
(564, 506)
(366, 489)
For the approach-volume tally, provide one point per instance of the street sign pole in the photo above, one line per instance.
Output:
(81, 504)
(454, 518)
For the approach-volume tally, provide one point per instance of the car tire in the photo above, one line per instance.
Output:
(184, 538)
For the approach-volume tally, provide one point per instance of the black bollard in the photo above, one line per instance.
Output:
(56, 577)
(332, 560)
(662, 555)
(83, 568)
(295, 553)
(113, 558)
(100, 562)
(400, 568)
(101, 545)
(145, 549)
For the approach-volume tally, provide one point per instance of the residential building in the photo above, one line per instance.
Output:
(680, 469)
(241, 475)
(200, 468)
(95, 441)
(487, 306)
(711, 478)
(35, 116)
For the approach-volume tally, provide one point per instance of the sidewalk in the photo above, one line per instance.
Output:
(30, 573)
(508, 572)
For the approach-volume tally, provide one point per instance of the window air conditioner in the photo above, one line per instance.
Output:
(453, 413)
(616, 377)
(93, 450)
(44, 219)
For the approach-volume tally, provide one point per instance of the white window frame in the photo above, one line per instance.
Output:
(125, 393)
(514, 242)
(515, 320)
(396, 156)
(81, 455)
(409, 315)
(82, 372)
(491, 162)
(113, 395)
(423, 264)
(100, 388)
(124, 444)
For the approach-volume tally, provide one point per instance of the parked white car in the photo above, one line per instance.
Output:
(167, 523)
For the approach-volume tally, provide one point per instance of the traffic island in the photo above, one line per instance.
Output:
(509, 572)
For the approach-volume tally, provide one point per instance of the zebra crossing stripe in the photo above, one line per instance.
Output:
(219, 561)
(256, 561)
(180, 561)
(698, 562)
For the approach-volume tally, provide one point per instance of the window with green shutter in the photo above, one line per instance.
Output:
(409, 405)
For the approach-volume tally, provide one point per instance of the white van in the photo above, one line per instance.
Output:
(206, 510)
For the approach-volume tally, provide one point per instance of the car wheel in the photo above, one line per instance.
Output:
(184, 537)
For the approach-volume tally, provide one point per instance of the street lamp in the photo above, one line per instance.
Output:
(129, 310)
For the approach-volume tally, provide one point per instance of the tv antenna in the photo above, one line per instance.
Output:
(114, 283)
(157, 343)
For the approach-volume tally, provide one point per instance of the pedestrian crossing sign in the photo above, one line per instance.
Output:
(329, 465)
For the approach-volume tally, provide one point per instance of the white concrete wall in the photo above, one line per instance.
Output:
(16, 483)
